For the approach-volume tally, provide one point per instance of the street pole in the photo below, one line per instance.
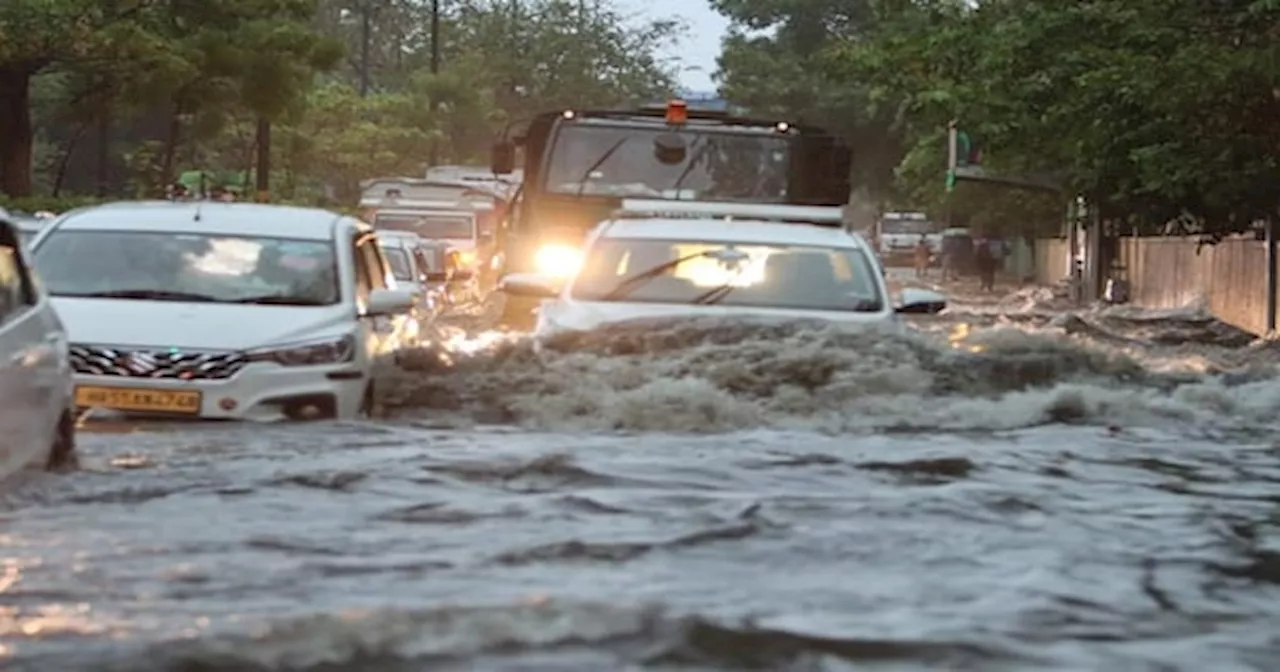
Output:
(435, 69)
(263, 181)
(1272, 272)
(366, 39)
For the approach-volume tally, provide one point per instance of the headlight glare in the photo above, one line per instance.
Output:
(309, 353)
(558, 260)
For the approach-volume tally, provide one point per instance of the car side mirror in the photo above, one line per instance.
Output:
(390, 302)
(921, 302)
(529, 285)
(502, 157)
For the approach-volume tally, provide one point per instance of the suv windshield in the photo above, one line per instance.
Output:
(748, 274)
(717, 166)
(188, 266)
(428, 226)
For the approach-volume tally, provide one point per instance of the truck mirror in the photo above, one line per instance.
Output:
(669, 149)
(502, 157)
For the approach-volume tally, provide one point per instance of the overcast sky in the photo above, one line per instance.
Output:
(702, 43)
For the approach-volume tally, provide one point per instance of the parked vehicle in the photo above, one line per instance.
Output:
(223, 310)
(408, 256)
(898, 233)
(37, 413)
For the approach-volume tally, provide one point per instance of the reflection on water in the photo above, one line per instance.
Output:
(699, 496)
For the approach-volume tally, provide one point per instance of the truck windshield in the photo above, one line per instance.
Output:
(427, 226)
(718, 165)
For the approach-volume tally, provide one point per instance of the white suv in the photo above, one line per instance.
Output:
(665, 259)
(223, 310)
(37, 416)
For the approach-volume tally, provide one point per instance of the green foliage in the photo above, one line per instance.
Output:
(180, 86)
(34, 204)
(1153, 109)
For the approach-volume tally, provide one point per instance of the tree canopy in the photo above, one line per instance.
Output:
(121, 97)
(1152, 110)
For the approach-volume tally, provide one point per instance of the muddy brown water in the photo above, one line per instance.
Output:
(1009, 487)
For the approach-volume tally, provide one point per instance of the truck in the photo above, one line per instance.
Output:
(896, 235)
(460, 212)
(579, 165)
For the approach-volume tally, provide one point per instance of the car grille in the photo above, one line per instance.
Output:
(163, 364)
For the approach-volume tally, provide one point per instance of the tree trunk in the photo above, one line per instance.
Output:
(171, 148)
(15, 132)
(60, 174)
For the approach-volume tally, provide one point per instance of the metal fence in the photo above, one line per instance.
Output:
(1229, 279)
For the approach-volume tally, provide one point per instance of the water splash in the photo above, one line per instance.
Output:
(969, 371)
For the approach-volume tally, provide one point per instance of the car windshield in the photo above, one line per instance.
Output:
(717, 165)
(398, 258)
(427, 226)
(188, 266)
(746, 274)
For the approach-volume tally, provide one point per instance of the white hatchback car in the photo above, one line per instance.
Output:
(37, 414)
(223, 310)
(668, 259)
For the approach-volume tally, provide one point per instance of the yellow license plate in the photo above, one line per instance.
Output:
(125, 399)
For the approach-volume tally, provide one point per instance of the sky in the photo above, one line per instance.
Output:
(701, 44)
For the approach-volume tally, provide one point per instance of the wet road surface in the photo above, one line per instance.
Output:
(1011, 488)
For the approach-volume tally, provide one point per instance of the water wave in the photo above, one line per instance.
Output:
(574, 636)
(966, 371)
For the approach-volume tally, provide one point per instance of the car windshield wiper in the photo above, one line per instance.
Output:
(714, 295)
(279, 300)
(582, 180)
(151, 294)
(630, 284)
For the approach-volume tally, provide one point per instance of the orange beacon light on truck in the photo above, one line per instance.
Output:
(677, 111)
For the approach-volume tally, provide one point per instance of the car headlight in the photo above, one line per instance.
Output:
(308, 353)
(558, 260)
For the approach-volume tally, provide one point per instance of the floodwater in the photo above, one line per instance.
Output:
(1011, 487)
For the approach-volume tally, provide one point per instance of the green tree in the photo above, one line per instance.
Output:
(776, 61)
(1150, 109)
(37, 35)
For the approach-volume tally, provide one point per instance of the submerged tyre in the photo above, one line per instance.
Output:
(62, 453)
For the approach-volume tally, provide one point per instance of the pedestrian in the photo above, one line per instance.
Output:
(923, 254)
(986, 263)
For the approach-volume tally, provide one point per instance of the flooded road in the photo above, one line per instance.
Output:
(1011, 487)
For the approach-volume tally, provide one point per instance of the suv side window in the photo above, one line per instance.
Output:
(17, 291)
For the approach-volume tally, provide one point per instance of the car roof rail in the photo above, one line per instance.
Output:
(814, 215)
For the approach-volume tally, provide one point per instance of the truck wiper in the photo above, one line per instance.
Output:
(582, 180)
(693, 162)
